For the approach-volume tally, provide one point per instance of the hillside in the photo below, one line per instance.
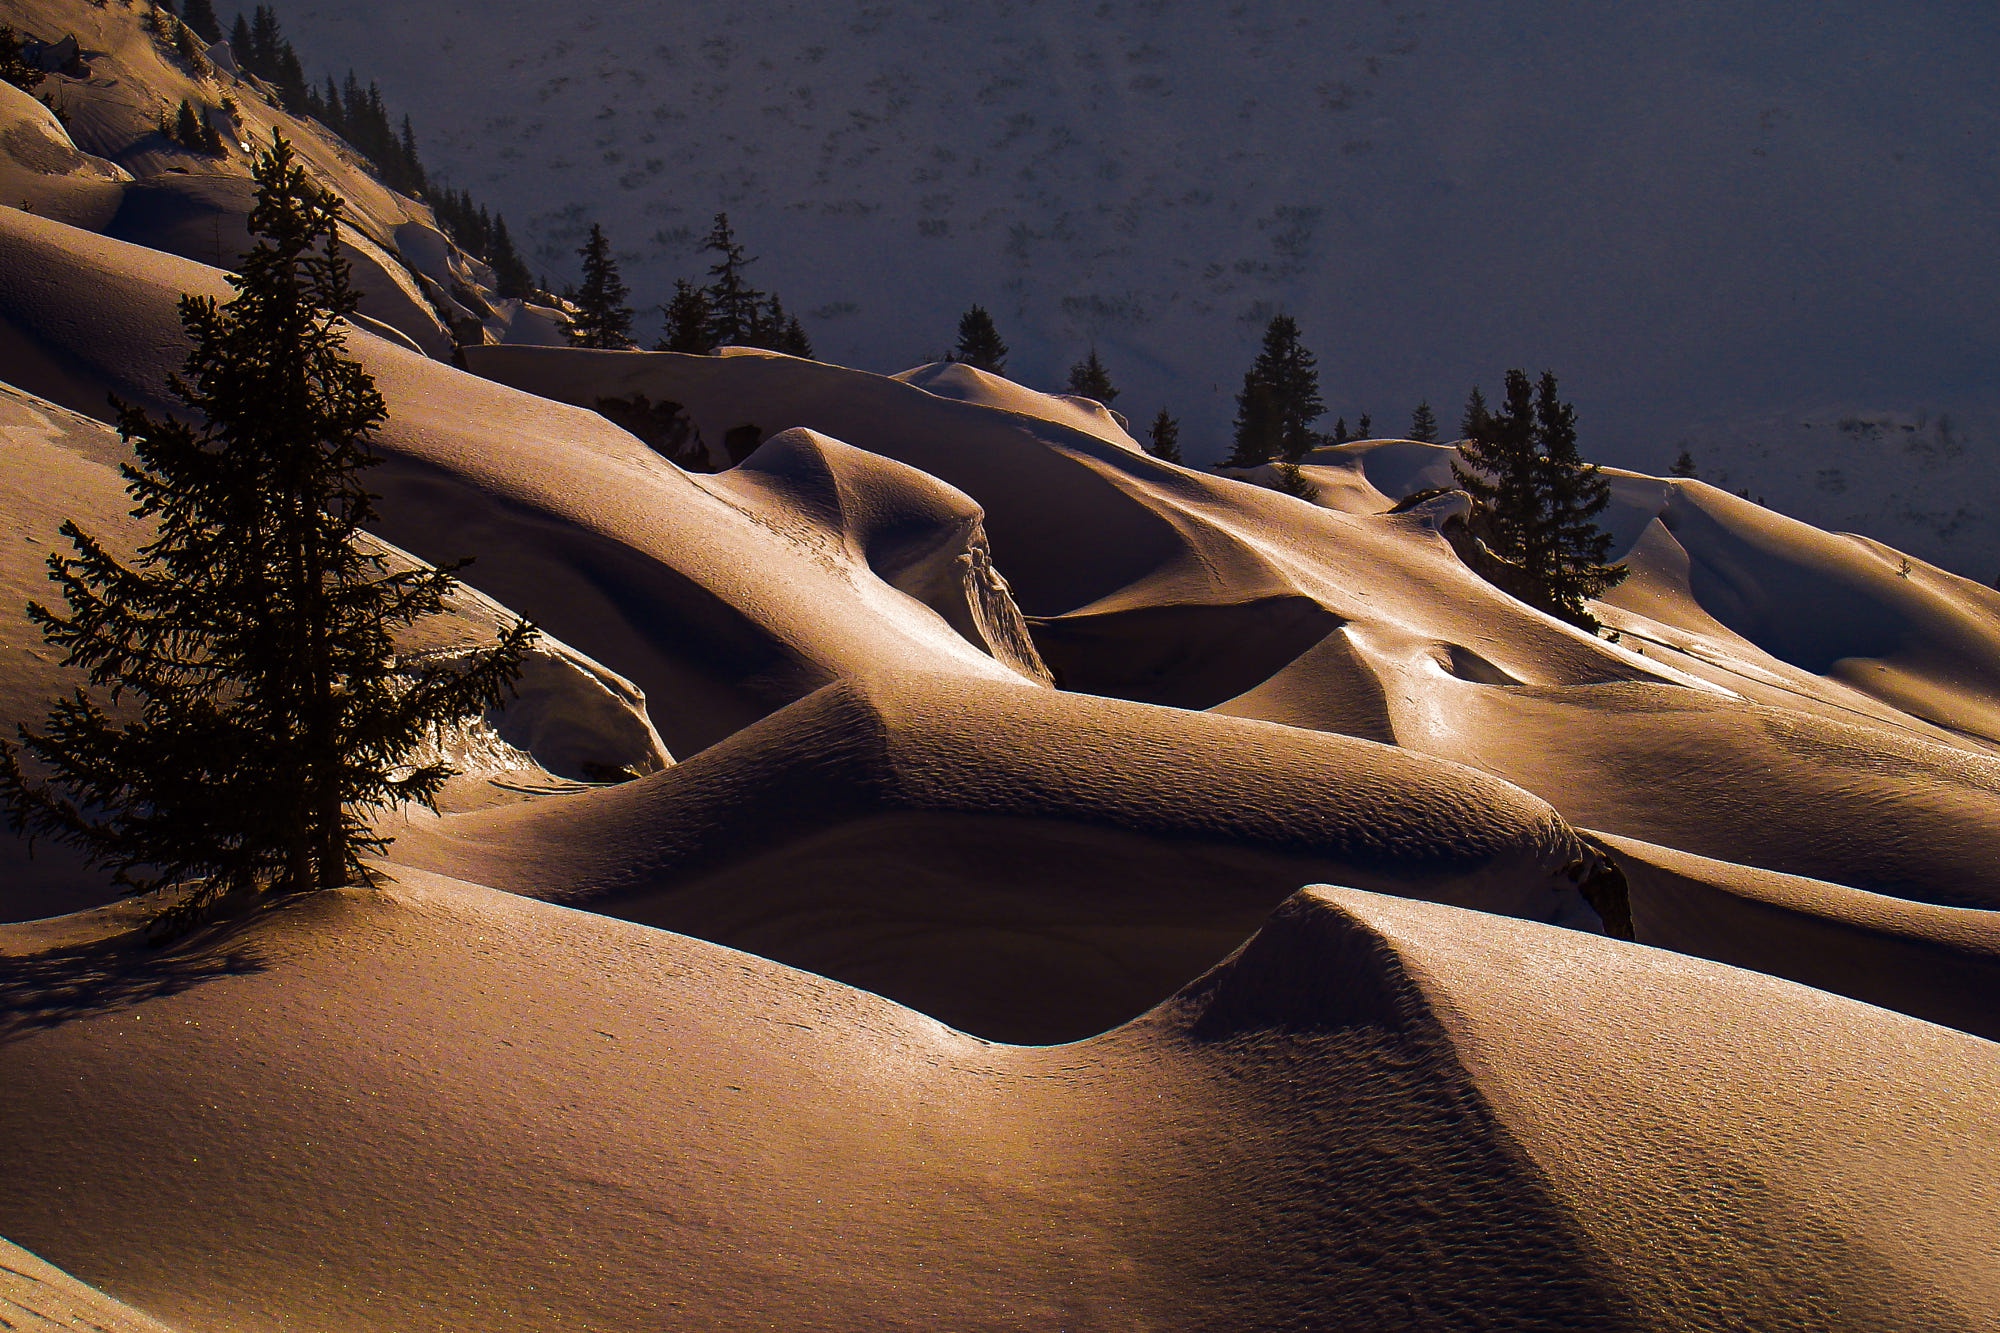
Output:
(949, 868)
(1701, 219)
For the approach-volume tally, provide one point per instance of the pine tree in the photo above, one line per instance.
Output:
(603, 320)
(688, 321)
(1364, 429)
(1280, 399)
(14, 68)
(1683, 465)
(187, 129)
(1089, 379)
(510, 271)
(792, 339)
(243, 44)
(1538, 501)
(735, 307)
(1340, 435)
(1473, 420)
(200, 15)
(1163, 439)
(1424, 423)
(979, 344)
(266, 716)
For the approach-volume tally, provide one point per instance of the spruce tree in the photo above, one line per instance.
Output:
(187, 129)
(1538, 501)
(1364, 429)
(688, 321)
(510, 271)
(200, 15)
(1089, 379)
(14, 68)
(1280, 399)
(243, 44)
(979, 344)
(1683, 465)
(264, 713)
(735, 307)
(602, 318)
(1424, 423)
(1163, 438)
(1340, 435)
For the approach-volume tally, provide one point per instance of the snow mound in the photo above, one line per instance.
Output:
(1006, 858)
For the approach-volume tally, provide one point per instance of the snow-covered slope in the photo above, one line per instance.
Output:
(1689, 213)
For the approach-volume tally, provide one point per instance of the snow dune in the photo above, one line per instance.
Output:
(441, 1107)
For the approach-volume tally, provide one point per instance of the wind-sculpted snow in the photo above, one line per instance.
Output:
(437, 1107)
(945, 691)
(1015, 862)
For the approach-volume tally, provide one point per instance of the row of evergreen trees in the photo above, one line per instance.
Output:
(726, 311)
(1535, 501)
(360, 116)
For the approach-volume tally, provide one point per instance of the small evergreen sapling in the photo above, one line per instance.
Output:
(1683, 465)
(1163, 438)
(602, 318)
(979, 344)
(1089, 379)
(257, 713)
(1424, 423)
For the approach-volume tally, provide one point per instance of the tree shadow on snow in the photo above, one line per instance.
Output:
(49, 989)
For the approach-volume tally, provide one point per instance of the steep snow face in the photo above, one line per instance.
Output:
(1685, 211)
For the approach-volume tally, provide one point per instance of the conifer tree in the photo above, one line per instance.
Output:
(510, 271)
(14, 68)
(1473, 419)
(688, 321)
(1683, 465)
(187, 129)
(1089, 379)
(735, 307)
(1364, 429)
(1340, 435)
(266, 715)
(200, 15)
(979, 344)
(1163, 438)
(1424, 423)
(1538, 501)
(1280, 399)
(242, 44)
(602, 318)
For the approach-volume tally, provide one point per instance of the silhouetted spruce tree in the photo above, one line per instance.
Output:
(735, 308)
(1340, 435)
(1473, 419)
(243, 44)
(602, 318)
(1364, 429)
(1424, 423)
(1539, 500)
(1163, 438)
(1683, 465)
(1089, 379)
(979, 344)
(265, 714)
(1280, 399)
(510, 271)
(688, 321)
(187, 127)
(14, 68)
(200, 15)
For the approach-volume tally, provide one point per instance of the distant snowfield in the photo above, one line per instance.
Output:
(1689, 213)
